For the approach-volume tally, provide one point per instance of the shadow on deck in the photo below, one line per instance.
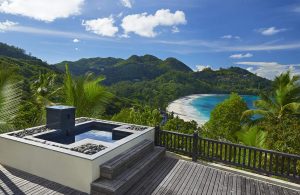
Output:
(13, 181)
(172, 176)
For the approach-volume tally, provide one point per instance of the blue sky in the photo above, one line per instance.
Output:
(260, 35)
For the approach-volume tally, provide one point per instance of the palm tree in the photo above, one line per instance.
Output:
(86, 94)
(10, 97)
(284, 99)
(44, 88)
(252, 136)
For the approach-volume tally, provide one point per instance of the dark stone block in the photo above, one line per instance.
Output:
(61, 117)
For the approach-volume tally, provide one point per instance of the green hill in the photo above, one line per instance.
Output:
(174, 84)
(26, 65)
(136, 68)
(145, 79)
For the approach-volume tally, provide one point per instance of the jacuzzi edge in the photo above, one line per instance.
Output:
(70, 168)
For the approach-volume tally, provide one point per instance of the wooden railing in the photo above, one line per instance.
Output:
(261, 161)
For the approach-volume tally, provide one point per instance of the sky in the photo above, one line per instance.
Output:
(261, 36)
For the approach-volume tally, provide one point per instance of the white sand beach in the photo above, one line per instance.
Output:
(183, 109)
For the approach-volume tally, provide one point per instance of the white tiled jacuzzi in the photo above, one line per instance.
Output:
(42, 155)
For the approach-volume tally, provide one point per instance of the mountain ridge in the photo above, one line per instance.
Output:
(146, 78)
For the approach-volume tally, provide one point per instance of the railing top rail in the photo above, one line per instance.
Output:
(239, 145)
(172, 132)
(254, 148)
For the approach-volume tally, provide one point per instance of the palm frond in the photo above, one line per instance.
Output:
(252, 137)
(10, 98)
(250, 113)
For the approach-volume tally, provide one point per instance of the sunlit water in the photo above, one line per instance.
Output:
(205, 104)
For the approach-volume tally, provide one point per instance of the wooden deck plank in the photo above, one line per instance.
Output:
(212, 184)
(230, 183)
(155, 176)
(198, 178)
(234, 185)
(168, 178)
(175, 182)
(225, 184)
(189, 187)
(190, 178)
(202, 177)
(238, 185)
(204, 181)
(215, 186)
(220, 184)
(183, 181)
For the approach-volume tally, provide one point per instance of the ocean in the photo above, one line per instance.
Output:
(199, 106)
(205, 104)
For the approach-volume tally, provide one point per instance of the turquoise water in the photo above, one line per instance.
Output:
(205, 104)
(96, 135)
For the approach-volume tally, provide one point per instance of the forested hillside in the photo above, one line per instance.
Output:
(24, 64)
(156, 82)
(142, 79)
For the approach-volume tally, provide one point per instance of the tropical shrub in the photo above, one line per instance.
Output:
(139, 115)
(86, 94)
(224, 120)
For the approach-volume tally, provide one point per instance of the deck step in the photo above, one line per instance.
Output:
(114, 167)
(128, 178)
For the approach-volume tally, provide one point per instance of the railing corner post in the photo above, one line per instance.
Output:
(195, 146)
(156, 135)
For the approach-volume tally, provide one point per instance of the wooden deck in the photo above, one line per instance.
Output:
(13, 181)
(170, 176)
(181, 177)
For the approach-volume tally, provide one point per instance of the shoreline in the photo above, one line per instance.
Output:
(183, 108)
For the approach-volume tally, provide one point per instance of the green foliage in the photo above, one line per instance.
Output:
(86, 94)
(280, 114)
(139, 115)
(283, 136)
(252, 136)
(284, 99)
(135, 68)
(10, 97)
(156, 82)
(174, 84)
(178, 125)
(224, 120)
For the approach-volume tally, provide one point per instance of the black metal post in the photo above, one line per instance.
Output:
(195, 146)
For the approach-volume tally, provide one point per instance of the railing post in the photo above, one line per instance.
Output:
(156, 135)
(195, 146)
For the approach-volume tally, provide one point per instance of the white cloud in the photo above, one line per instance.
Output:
(144, 24)
(120, 15)
(270, 31)
(240, 56)
(297, 9)
(42, 10)
(270, 69)
(76, 49)
(202, 67)
(57, 33)
(127, 3)
(175, 29)
(250, 69)
(230, 37)
(199, 46)
(7, 25)
(101, 26)
(76, 40)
